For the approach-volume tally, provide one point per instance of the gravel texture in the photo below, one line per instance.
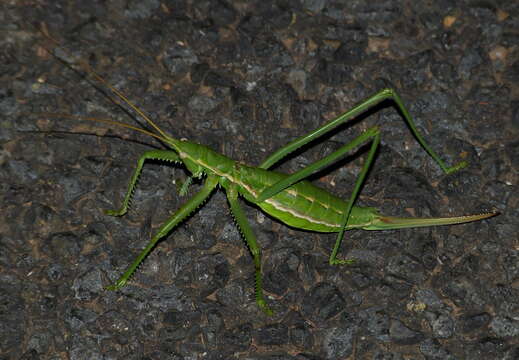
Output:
(245, 78)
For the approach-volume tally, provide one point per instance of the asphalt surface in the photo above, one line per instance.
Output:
(245, 78)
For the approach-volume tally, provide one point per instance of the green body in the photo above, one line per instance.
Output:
(302, 205)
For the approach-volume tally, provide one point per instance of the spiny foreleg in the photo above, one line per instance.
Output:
(163, 155)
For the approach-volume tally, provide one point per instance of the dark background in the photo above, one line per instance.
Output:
(245, 78)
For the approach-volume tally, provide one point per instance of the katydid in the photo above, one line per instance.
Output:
(287, 197)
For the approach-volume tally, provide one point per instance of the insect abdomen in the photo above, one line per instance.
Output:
(303, 205)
